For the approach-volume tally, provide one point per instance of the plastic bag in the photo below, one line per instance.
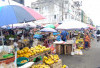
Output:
(35, 43)
(53, 50)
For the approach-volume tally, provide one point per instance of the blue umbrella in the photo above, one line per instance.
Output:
(38, 36)
(56, 33)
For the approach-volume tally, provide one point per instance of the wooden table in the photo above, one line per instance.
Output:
(68, 46)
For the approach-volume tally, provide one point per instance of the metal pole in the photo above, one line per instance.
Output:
(62, 10)
(2, 39)
(68, 10)
(15, 49)
(12, 26)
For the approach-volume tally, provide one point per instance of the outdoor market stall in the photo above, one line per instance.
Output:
(11, 14)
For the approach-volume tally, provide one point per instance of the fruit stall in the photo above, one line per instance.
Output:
(41, 57)
(33, 52)
(80, 43)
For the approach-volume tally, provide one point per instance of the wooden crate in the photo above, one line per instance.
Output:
(59, 49)
(66, 49)
(57, 65)
(69, 49)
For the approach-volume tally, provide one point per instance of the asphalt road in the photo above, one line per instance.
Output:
(89, 59)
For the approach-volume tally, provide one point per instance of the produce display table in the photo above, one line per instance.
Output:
(37, 55)
(68, 46)
(7, 61)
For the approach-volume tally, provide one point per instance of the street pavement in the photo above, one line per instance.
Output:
(89, 59)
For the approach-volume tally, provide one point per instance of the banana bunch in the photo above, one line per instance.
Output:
(39, 49)
(51, 59)
(55, 58)
(45, 58)
(40, 66)
(64, 66)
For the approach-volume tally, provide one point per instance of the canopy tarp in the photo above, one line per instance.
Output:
(72, 24)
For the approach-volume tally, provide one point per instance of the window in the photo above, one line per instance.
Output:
(66, 16)
(19, 1)
(54, 16)
(72, 17)
(22, 1)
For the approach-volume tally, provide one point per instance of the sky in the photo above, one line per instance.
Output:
(92, 9)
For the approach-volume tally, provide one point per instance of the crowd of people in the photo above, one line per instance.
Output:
(47, 38)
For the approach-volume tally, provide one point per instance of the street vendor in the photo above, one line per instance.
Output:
(46, 43)
(64, 34)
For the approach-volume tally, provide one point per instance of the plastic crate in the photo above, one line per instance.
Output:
(20, 59)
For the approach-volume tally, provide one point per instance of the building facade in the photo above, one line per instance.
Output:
(56, 11)
(86, 19)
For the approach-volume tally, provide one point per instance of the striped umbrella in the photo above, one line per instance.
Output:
(11, 14)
